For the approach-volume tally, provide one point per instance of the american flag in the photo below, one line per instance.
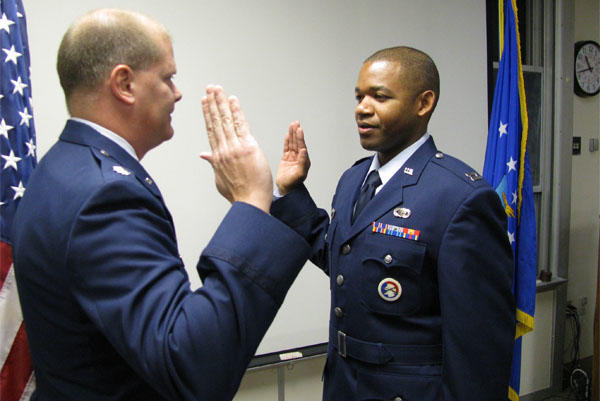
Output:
(17, 160)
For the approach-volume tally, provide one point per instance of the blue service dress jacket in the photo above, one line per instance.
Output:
(421, 301)
(107, 304)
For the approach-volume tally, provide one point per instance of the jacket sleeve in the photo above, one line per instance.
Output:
(298, 210)
(475, 273)
(127, 276)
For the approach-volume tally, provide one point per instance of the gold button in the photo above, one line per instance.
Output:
(338, 311)
(148, 180)
(346, 249)
(439, 155)
(339, 280)
(388, 259)
(104, 152)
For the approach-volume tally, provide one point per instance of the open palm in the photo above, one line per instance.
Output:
(295, 163)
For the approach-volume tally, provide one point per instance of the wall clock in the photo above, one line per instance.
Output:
(587, 68)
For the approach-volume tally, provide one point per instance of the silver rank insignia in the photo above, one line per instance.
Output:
(473, 176)
(402, 212)
(408, 170)
(389, 289)
(121, 170)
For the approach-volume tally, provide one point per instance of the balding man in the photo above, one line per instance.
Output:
(416, 250)
(106, 300)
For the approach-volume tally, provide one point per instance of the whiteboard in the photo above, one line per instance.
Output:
(286, 61)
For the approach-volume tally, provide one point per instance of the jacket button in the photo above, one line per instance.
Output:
(339, 280)
(388, 259)
(346, 249)
(338, 311)
(398, 399)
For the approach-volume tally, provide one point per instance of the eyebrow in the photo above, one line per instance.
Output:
(373, 89)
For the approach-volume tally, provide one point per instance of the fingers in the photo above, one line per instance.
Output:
(208, 122)
(293, 136)
(300, 138)
(219, 119)
(290, 143)
(240, 124)
(223, 107)
(302, 149)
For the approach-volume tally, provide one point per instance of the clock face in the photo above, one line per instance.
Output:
(587, 69)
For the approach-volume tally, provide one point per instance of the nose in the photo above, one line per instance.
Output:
(178, 94)
(363, 107)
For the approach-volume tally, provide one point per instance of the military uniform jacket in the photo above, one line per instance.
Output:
(106, 301)
(421, 301)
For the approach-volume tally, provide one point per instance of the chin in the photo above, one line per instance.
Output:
(367, 145)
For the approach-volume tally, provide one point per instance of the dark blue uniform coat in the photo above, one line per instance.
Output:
(421, 315)
(107, 303)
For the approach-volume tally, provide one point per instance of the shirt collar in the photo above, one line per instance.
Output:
(119, 140)
(387, 171)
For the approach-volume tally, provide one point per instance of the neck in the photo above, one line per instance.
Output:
(111, 117)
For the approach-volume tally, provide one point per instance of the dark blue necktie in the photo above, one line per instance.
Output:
(366, 192)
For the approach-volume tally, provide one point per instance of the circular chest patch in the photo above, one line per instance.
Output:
(389, 289)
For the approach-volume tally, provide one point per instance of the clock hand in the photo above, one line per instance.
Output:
(587, 69)
(588, 63)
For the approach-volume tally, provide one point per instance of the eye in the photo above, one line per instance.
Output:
(358, 97)
(380, 97)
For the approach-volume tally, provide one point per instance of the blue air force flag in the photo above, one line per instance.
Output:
(506, 168)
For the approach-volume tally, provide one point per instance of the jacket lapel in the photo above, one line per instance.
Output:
(347, 194)
(391, 195)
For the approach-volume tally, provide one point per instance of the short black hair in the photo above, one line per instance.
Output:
(417, 68)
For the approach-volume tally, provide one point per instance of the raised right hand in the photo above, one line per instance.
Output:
(241, 169)
(295, 163)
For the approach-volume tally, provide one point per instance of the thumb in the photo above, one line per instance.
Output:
(207, 156)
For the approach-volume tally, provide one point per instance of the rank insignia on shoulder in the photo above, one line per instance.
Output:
(389, 289)
(408, 170)
(402, 212)
(473, 176)
(395, 231)
(121, 170)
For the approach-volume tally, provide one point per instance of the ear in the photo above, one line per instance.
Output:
(121, 80)
(425, 103)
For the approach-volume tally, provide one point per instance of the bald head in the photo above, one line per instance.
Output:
(102, 39)
(417, 70)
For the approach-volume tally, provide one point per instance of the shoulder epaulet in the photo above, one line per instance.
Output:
(111, 169)
(458, 168)
(361, 160)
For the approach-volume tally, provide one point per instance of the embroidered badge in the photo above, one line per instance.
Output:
(408, 170)
(389, 289)
(396, 231)
(121, 170)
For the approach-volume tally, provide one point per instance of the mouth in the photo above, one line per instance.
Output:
(365, 129)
